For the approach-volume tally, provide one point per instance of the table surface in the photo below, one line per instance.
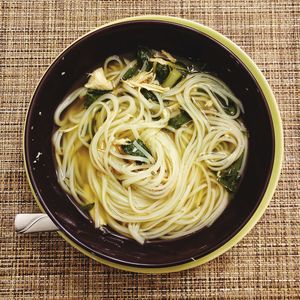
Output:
(265, 264)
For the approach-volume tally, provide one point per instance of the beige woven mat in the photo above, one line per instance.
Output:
(264, 265)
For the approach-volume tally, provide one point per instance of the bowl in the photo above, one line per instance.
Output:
(224, 59)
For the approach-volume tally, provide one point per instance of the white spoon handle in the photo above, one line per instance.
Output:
(28, 223)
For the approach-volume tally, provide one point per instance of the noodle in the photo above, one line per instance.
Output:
(149, 159)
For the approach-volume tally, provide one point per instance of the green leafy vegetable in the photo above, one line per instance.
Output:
(172, 78)
(182, 68)
(162, 72)
(229, 177)
(230, 108)
(131, 149)
(182, 118)
(156, 118)
(149, 95)
(143, 55)
(201, 90)
(130, 72)
(87, 207)
(92, 95)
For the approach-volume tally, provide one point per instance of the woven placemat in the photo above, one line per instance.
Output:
(265, 264)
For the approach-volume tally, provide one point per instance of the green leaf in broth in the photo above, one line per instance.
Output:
(182, 118)
(130, 72)
(88, 207)
(143, 55)
(131, 149)
(173, 77)
(149, 95)
(229, 177)
(230, 108)
(92, 95)
(162, 72)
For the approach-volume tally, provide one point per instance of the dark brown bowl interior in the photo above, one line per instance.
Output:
(84, 56)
